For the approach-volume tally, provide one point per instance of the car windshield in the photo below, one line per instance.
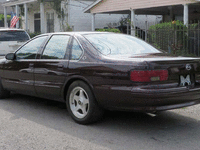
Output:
(13, 36)
(119, 44)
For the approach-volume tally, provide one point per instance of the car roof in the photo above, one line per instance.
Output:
(75, 33)
(11, 29)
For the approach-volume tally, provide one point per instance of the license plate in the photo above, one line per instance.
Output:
(184, 81)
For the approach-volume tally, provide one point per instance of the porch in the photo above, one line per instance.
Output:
(186, 11)
(36, 17)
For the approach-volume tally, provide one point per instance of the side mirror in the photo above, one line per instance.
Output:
(10, 56)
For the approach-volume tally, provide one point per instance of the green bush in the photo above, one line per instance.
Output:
(169, 36)
(168, 25)
(2, 17)
(33, 34)
(109, 30)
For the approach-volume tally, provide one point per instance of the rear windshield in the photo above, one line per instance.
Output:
(13, 36)
(119, 44)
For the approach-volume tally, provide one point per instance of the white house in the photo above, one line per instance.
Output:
(80, 21)
(41, 17)
(2, 11)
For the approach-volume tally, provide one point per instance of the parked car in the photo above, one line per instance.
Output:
(94, 71)
(11, 39)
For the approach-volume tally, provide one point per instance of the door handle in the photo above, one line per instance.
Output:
(31, 65)
(60, 66)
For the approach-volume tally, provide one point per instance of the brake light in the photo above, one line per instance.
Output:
(149, 75)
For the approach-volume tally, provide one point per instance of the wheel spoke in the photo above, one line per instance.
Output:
(74, 102)
(85, 101)
(84, 109)
(81, 94)
(76, 98)
(77, 108)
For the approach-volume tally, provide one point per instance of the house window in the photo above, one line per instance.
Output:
(50, 22)
(37, 22)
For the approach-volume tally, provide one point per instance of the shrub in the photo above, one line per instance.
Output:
(33, 34)
(109, 30)
(170, 36)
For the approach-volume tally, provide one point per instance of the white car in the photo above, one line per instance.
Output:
(11, 39)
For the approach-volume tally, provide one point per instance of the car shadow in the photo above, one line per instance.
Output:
(118, 130)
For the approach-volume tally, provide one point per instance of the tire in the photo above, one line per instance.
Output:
(81, 104)
(3, 93)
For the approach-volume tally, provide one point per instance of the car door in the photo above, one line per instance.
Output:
(18, 73)
(51, 69)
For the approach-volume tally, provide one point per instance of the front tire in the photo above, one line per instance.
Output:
(81, 103)
(3, 93)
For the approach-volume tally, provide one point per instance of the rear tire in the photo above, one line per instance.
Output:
(81, 104)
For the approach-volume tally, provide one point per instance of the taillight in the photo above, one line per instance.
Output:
(149, 75)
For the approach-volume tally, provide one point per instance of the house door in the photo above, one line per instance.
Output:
(37, 22)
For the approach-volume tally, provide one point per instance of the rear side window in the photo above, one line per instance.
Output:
(56, 47)
(13, 36)
(76, 51)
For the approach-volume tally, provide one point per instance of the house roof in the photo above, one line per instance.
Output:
(17, 2)
(87, 9)
(158, 7)
(2, 9)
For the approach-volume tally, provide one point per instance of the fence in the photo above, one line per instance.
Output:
(177, 40)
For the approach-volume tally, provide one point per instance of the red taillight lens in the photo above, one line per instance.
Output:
(149, 75)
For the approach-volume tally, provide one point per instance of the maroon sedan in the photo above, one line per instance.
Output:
(93, 71)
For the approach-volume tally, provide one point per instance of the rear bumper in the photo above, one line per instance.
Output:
(146, 98)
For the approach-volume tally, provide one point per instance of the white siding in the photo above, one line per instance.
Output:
(35, 8)
(82, 21)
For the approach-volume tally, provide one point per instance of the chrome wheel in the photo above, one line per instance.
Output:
(79, 102)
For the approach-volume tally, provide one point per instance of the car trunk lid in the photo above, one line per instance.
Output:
(180, 69)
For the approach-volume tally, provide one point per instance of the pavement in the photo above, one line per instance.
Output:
(29, 123)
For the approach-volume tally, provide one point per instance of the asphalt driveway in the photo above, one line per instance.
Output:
(34, 123)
